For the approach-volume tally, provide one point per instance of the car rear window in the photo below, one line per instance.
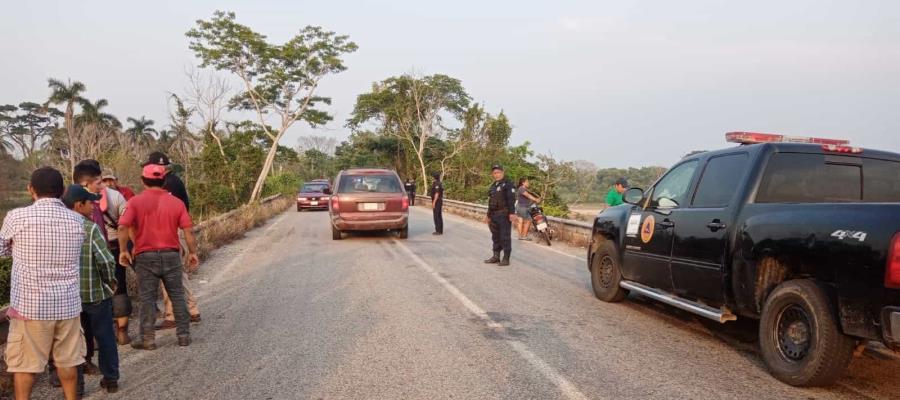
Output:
(814, 178)
(313, 188)
(369, 184)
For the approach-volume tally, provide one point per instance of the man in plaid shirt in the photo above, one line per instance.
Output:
(45, 242)
(98, 283)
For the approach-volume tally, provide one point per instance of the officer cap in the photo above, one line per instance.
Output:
(496, 167)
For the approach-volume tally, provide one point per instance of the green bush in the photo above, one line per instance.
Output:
(284, 183)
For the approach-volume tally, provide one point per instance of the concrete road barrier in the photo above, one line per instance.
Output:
(577, 233)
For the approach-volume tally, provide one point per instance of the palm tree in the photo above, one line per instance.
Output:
(68, 94)
(165, 140)
(93, 113)
(141, 131)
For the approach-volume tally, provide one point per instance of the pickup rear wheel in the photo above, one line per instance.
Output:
(336, 234)
(403, 233)
(799, 337)
(606, 274)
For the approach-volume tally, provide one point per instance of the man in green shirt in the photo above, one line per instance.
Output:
(98, 283)
(614, 197)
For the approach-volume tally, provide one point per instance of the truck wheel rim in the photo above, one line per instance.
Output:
(793, 333)
(606, 271)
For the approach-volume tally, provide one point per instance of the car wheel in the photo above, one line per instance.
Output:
(299, 209)
(799, 337)
(606, 274)
(404, 233)
(336, 234)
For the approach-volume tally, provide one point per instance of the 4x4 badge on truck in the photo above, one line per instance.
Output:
(843, 234)
(647, 229)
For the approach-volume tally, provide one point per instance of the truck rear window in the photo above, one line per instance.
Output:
(369, 184)
(813, 178)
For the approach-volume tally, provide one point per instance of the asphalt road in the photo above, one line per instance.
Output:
(290, 314)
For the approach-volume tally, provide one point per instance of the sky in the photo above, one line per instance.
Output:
(618, 83)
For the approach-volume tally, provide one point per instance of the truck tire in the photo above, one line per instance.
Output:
(606, 274)
(336, 234)
(799, 337)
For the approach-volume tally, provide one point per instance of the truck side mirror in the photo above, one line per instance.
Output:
(633, 196)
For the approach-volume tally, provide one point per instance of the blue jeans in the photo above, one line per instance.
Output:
(97, 322)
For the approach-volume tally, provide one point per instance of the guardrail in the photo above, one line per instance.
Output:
(205, 224)
(577, 233)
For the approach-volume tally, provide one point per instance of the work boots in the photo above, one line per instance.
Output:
(122, 335)
(505, 261)
(148, 342)
(493, 260)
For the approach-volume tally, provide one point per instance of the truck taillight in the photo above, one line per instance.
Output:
(892, 273)
(405, 203)
(757, 137)
(335, 203)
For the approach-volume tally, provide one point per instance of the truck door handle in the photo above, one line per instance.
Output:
(715, 225)
(665, 224)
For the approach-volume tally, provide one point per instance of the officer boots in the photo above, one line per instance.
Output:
(493, 260)
(505, 261)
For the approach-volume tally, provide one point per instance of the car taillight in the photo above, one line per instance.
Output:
(892, 273)
(335, 203)
(404, 203)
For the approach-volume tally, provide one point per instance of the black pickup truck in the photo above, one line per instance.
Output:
(801, 236)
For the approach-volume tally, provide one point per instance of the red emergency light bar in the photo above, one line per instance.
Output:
(756, 137)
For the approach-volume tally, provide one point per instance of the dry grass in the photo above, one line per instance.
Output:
(232, 226)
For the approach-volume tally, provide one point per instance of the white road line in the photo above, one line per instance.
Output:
(568, 389)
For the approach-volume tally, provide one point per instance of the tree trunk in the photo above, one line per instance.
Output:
(267, 166)
(70, 132)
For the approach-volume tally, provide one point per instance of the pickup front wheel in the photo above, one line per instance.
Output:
(606, 274)
(799, 336)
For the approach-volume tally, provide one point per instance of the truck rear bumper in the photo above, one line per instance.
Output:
(890, 322)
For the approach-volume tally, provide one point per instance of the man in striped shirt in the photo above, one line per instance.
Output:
(45, 242)
(98, 283)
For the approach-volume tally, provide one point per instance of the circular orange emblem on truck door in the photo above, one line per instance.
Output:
(647, 229)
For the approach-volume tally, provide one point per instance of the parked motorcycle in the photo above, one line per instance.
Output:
(539, 223)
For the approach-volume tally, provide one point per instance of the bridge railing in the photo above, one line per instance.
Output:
(577, 233)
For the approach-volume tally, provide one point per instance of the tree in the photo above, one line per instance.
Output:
(410, 108)
(92, 113)
(279, 80)
(179, 140)
(208, 97)
(141, 132)
(27, 128)
(68, 94)
(322, 144)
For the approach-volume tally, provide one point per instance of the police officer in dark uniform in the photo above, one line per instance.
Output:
(410, 187)
(437, 203)
(501, 213)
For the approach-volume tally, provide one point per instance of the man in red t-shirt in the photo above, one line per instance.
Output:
(153, 219)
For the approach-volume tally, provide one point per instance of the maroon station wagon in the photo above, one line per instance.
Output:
(314, 195)
(368, 200)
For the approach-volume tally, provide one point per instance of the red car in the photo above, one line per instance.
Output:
(314, 195)
(368, 200)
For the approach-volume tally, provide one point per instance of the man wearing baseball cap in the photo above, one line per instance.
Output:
(614, 197)
(174, 185)
(501, 214)
(98, 283)
(153, 219)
